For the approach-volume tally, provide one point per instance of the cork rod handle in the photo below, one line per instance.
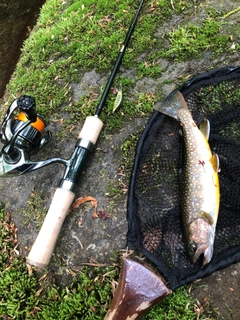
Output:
(44, 244)
(91, 129)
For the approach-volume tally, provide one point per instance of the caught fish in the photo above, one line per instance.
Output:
(198, 179)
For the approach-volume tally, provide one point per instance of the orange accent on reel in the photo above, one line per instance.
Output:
(39, 124)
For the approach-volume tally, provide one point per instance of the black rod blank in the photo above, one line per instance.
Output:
(118, 61)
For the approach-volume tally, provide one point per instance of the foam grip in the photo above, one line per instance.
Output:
(91, 129)
(44, 244)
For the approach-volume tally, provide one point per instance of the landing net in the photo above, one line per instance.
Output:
(154, 213)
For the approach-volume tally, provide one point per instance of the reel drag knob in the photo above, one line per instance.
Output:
(27, 105)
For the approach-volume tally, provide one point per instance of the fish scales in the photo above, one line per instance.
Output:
(198, 180)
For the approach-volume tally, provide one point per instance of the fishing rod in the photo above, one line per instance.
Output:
(22, 136)
(118, 61)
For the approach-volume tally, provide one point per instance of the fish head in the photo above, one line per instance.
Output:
(200, 240)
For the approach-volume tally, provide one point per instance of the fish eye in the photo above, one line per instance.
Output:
(192, 247)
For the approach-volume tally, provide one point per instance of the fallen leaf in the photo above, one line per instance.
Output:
(37, 294)
(82, 200)
(30, 270)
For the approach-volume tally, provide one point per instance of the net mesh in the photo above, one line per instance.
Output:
(153, 213)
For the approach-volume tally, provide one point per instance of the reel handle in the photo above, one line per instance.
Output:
(44, 244)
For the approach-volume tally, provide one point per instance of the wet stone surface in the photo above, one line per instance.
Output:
(219, 294)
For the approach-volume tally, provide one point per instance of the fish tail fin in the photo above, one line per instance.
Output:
(172, 105)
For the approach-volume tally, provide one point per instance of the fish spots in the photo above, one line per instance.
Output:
(191, 146)
(199, 181)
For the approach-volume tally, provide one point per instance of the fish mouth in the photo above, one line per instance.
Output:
(200, 251)
(205, 250)
(201, 242)
(207, 255)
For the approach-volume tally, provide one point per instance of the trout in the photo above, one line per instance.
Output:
(200, 193)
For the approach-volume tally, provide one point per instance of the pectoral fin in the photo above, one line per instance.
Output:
(215, 162)
(205, 128)
(207, 217)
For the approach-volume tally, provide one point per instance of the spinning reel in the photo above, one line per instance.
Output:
(22, 136)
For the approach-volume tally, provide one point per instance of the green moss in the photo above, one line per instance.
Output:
(88, 296)
(72, 37)
(190, 41)
(113, 189)
(24, 296)
(212, 98)
(128, 151)
(17, 289)
(178, 306)
(113, 121)
(151, 69)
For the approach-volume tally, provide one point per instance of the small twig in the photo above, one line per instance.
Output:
(231, 12)
(91, 264)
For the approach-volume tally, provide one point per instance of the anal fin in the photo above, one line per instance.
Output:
(215, 162)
